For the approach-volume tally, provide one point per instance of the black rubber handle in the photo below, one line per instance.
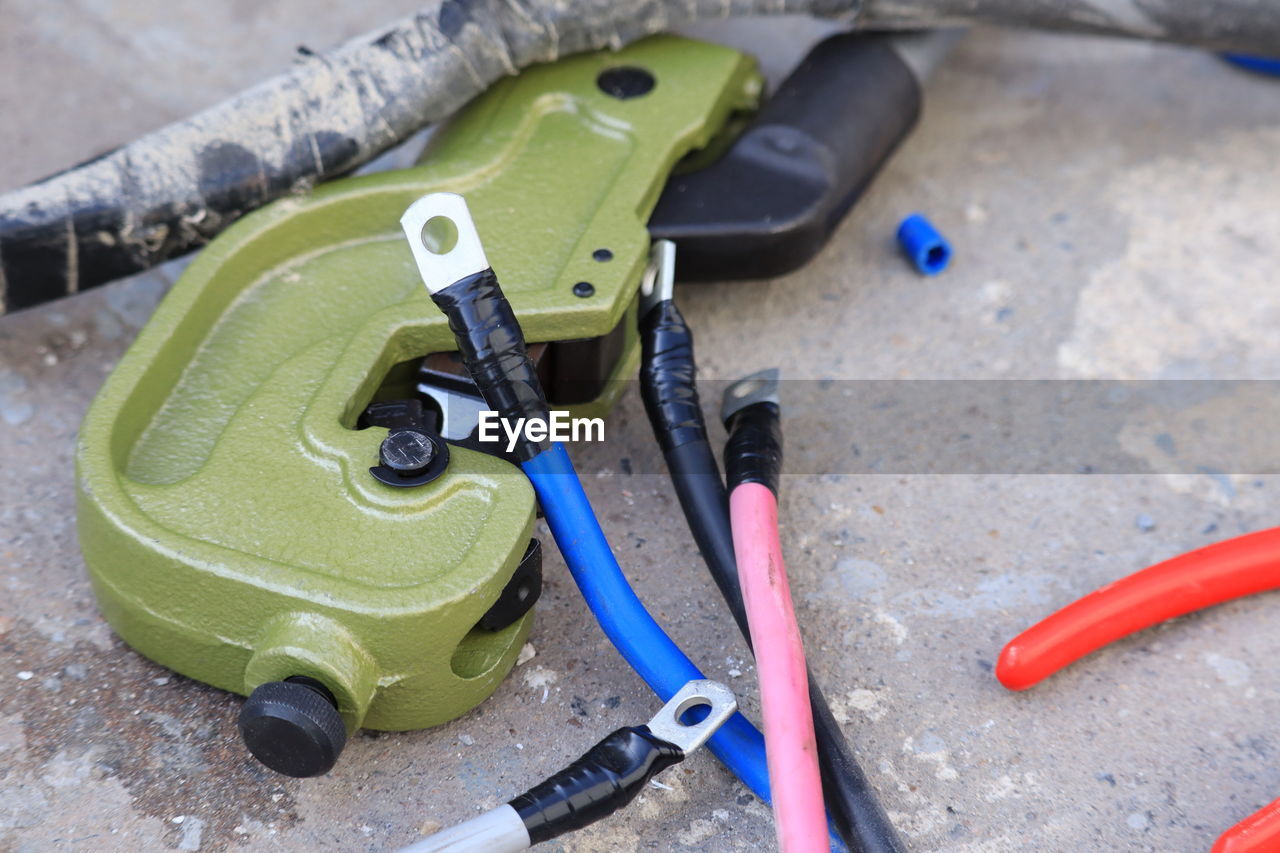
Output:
(770, 203)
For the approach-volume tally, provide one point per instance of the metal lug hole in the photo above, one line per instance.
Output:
(440, 235)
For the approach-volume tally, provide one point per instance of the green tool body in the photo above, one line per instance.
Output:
(227, 514)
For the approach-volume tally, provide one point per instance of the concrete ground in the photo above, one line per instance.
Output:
(1113, 207)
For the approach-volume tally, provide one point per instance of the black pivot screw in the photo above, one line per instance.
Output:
(413, 453)
(293, 727)
(407, 451)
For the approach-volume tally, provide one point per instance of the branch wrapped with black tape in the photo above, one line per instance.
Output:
(493, 349)
(605, 779)
(175, 189)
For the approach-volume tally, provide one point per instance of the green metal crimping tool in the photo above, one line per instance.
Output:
(280, 490)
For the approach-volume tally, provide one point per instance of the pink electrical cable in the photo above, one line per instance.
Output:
(791, 750)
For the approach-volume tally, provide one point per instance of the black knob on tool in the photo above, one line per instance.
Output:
(407, 451)
(293, 727)
(413, 453)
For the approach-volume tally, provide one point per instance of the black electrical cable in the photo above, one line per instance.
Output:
(668, 385)
(605, 779)
(599, 783)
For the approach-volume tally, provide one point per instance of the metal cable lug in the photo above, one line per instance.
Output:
(444, 241)
(599, 783)
(659, 281)
(667, 724)
(758, 387)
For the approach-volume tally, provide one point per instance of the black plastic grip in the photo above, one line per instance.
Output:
(599, 783)
(753, 453)
(816, 144)
(668, 377)
(493, 349)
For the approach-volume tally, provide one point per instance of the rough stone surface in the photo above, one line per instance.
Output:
(1113, 211)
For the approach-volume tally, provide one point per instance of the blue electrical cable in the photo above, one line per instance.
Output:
(491, 343)
(626, 622)
(623, 617)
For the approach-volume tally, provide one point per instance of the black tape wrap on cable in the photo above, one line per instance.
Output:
(599, 783)
(753, 453)
(493, 350)
(667, 377)
(668, 386)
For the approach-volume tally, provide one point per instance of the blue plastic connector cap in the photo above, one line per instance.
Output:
(927, 249)
(1260, 64)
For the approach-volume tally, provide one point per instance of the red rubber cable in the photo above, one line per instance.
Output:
(1258, 833)
(791, 749)
(1211, 575)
